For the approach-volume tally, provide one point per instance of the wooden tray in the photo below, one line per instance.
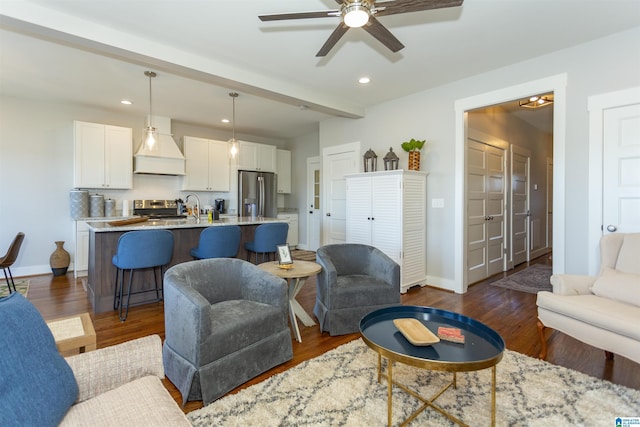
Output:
(415, 332)
(128, 221)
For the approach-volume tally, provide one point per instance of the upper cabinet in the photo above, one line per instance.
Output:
(256, 157)
(283, 170)
(207, 164)
(103, 156)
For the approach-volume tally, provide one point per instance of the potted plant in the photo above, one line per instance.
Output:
(413, 147)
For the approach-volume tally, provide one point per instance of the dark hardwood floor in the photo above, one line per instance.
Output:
(511, 313)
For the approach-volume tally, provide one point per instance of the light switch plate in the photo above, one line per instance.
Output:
(437, 203)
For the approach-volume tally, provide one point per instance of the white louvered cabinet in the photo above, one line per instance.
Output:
(387, 210)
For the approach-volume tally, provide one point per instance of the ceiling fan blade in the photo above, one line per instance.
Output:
(332, 40)
(300, 15)
(405, 6)
(380, 32)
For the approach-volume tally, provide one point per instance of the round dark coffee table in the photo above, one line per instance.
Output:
(483, 348)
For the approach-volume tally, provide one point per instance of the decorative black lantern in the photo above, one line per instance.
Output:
(370, 161)
(390, 160)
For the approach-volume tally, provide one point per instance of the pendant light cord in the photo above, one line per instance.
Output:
(233, 96)
(150, 74)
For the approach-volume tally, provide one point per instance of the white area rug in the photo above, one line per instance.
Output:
(340, 388)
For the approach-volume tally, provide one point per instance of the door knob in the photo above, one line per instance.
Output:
(612, 228)
(311, 212)
(328, 213)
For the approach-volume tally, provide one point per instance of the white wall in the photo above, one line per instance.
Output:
(303, 147)
(36, 173)
(603, 65)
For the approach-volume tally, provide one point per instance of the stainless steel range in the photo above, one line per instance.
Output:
(158, 209)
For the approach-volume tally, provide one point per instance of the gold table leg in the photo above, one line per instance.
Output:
(389, 392)
(431, 401)
(493, 396)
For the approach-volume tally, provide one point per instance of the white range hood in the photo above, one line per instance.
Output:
(166, 159)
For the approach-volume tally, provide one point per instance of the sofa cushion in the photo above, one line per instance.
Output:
(619, 286)
(37, 386)
(627, 261)
(604, 313)
(143, 402)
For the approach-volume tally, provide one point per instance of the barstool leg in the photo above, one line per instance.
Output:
(122, 305)
(116, 300)
(155, 279)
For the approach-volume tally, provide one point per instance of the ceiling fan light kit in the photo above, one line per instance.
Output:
(356, 14)
(537, 101)
(362, 14)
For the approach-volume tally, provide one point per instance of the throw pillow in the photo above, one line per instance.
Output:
(619, 286)
(37, 386)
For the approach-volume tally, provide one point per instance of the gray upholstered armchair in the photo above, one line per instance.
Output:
(225, 323)
(355, 280)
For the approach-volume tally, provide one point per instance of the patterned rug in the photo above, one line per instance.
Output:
(532, 279)
(22, 286)
(301, 255)
(340, 388)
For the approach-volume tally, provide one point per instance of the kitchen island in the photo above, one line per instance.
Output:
(103, 243)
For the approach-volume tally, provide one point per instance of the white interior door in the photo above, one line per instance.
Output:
(520, 213)
(549, 203)
(621, 170)
(337, 161)
(314, 214)
(485, 210)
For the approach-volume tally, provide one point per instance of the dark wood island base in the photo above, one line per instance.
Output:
(103, 242)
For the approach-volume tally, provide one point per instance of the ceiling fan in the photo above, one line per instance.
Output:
(362, 13)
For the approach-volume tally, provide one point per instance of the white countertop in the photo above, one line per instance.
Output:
(100, 227)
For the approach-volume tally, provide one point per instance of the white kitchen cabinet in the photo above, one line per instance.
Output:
(103, 156)
(256, 157)
(283, 170)
(292, 219)
(207, 165)
(81, 250)
(387, 210)
(81, 254)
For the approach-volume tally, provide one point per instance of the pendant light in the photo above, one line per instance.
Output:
(233, 141)
(150, 134)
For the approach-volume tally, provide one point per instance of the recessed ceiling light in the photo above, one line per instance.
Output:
(225, 120)
(364, 80)
(126, 102)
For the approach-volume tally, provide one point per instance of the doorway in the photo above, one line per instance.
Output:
(337, 161)
(555, 84)
(614, 136)
(314, 215)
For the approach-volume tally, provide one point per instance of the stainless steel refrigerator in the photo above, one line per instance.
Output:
(257, 193)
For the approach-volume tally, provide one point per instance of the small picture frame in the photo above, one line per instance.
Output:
(284, 254)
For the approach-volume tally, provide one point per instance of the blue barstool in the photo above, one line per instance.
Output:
(218, 242)
(267, 237)
(138, 250)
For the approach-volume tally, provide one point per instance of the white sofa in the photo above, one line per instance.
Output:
(120, 385)
(602, 311)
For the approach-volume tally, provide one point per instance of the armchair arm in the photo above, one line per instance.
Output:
(326, 277)
(384, 268)
(186, 317)
(572, 284)
(107, 368)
